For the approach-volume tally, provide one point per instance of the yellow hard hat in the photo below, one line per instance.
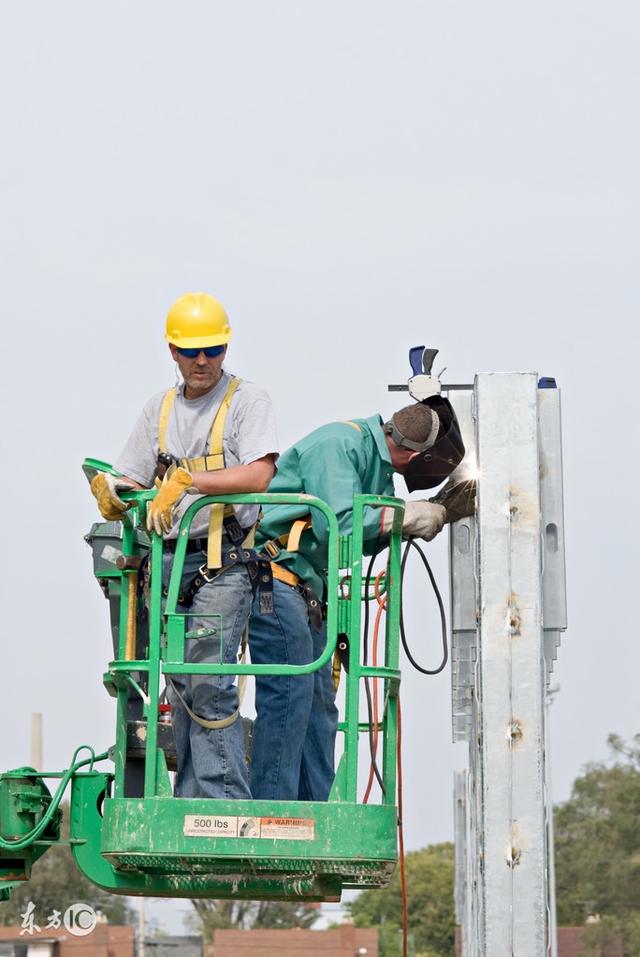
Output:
(197, 320)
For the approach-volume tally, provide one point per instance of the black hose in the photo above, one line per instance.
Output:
(365, 637)
(443, 621)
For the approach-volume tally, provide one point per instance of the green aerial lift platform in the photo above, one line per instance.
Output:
(128, 833)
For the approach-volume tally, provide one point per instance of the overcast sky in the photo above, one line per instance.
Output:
(349, 179)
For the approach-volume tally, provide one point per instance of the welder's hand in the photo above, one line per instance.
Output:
(458, 498)
(422, 520)
(105, 487)
(161, 510)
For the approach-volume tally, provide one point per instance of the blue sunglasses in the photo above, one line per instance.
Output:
(210, 352)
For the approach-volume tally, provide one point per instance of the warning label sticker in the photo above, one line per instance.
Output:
(282, 828)
(289, 828)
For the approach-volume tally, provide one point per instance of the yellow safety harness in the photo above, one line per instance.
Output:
(290, 541)
(211, 462)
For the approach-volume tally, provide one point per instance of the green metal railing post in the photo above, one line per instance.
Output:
(392, 658)
(125, 585)
(389, 672)
(153, 691)
(352, 696)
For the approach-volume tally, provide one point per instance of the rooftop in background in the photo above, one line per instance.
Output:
(106, 940)
(344, 941)
(172, 946)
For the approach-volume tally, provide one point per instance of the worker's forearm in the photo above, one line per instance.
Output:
(135, 485)
(242, 479)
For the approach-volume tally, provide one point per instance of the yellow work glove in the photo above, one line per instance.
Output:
(105, 487)
(161, 510)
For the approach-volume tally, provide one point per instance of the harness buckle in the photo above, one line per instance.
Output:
(272, 548)
(204, 572)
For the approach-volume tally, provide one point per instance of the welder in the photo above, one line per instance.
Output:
(295, 728)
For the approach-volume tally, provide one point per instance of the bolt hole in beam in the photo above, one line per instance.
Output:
(551, 537)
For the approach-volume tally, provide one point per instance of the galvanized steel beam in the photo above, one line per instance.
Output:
(508, 611)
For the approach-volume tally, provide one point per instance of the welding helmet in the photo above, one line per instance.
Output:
(439, 454)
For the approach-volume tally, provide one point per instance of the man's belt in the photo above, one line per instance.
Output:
(193, 545)
(201, 544)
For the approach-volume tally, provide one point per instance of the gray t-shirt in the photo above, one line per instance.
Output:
(249, 434)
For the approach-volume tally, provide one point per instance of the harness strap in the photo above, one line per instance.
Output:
(284, 575)
(242, 683)
(217, 429)
(232, 554)
(217, 513)
(203, 463)
(214, 540)
(211, 462)
(165, 411)
(293, 538)
(290, 541)
(314, 605)
(353, 425)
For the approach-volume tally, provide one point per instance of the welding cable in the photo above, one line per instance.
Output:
(372, 710)
(411, 543)
(365, 622)
(373, 736)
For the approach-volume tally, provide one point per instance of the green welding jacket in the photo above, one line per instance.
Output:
(334, 463)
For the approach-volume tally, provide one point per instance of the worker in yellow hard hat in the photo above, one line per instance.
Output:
(213, 434)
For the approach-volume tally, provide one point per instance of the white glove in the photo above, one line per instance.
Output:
(421, 520)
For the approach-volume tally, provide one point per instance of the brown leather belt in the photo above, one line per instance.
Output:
(193, 544)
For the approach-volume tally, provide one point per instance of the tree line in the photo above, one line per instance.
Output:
(597, 844)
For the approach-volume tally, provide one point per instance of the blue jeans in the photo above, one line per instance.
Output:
(295, 729)
(211, 761)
